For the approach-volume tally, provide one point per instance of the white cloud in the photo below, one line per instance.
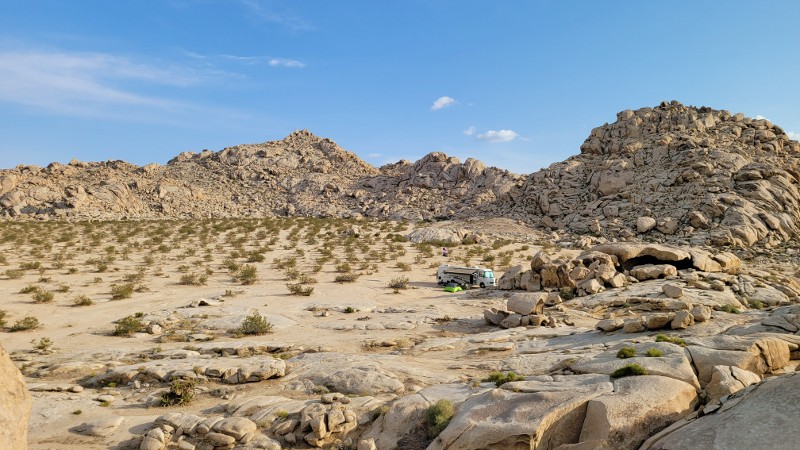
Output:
(269, 11)
(497, 136)
(374, 155)
(469, 131)
(760, 117)
(793, 135)
(279, 62)
(442, 102)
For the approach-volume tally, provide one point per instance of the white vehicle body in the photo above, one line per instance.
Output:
(465, 275)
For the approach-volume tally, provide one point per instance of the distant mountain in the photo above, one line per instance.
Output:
(669, 173)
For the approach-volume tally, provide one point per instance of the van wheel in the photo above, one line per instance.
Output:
(483, 285)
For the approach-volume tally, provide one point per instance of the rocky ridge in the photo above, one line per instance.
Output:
(301, 175)
(671, 173)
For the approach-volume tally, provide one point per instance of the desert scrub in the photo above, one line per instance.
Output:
(654, 353)
(29, 289)
(757, 304)
(43, 296)
(399, 283)
(25, 324)
(500, 378)
(2, 319)
(120, 291)
(626, 352)
(405, 267)
(181, 392)
(671, 339)
(438, 416)
(629, 370)
(255, 324)
(14, 274)
(346, 278)
(43, 345)
(247, 275)
(730, 309)
(299, 289)
(193, 279)
(127, 326)
(350, 310)
(83, 300)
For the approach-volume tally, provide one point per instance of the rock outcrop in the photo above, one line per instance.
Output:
(672, 173)
(15, 405)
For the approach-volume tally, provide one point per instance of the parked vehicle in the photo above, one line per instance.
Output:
(465, 276)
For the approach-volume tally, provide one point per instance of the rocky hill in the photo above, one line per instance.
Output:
(672, 173)
(301, 175)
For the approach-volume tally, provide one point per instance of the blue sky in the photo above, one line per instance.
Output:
(516, 84)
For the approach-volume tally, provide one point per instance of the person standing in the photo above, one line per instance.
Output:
(445, 252)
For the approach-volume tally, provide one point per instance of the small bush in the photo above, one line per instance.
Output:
(63, 288)
(671, 339)
(399, 283)
(629, 370)
(247, 275)
(654, 353)
(730, 309)
(31, 288)
(405, 267)
(350, 310)
(500, 378)
(127, 326)
(757, 304)
(255, 324)
(14, 274)
(343, 268)
(42, 296)
(33, 265)
(626, 352)
(83, 300)
(438, 416)
(2, 319)
(44, 344)
(25, 324)
(299, 289)
(120, 291)
(346, 278)
(181, 393)
(193, 279)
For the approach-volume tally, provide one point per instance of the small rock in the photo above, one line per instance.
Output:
(672, 290)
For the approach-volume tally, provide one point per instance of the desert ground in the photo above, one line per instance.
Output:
(265, 318)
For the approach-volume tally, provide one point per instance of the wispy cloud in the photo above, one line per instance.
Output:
(497, 136)
(279, 62)
(760, 117)
(793, 135)
(272, 11)
(469, 131)
(442, 102)
(89, 84)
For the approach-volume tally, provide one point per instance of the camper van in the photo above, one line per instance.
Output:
(469, 276)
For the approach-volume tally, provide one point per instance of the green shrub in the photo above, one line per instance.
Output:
(500, 378)
(44, 344)
(671, 339)
(247, 275)
(120, 291)
(629, 370)
(2, 319)
(346, 277)
(626, 352)
(438, 416)
(343, 268)
(654, 353)
(299, 289)
(306, 279)
(25, 324)
(42, 296)
(181, 393)
(566, 293)
(83, 300)
(255, 324)
(399, 283)
(127, 326)
(193, 279)
(757, 304)
(350, 310)
(405, 267)
(33, 265)
(730, 309)
(31, 288)
(14, 274)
